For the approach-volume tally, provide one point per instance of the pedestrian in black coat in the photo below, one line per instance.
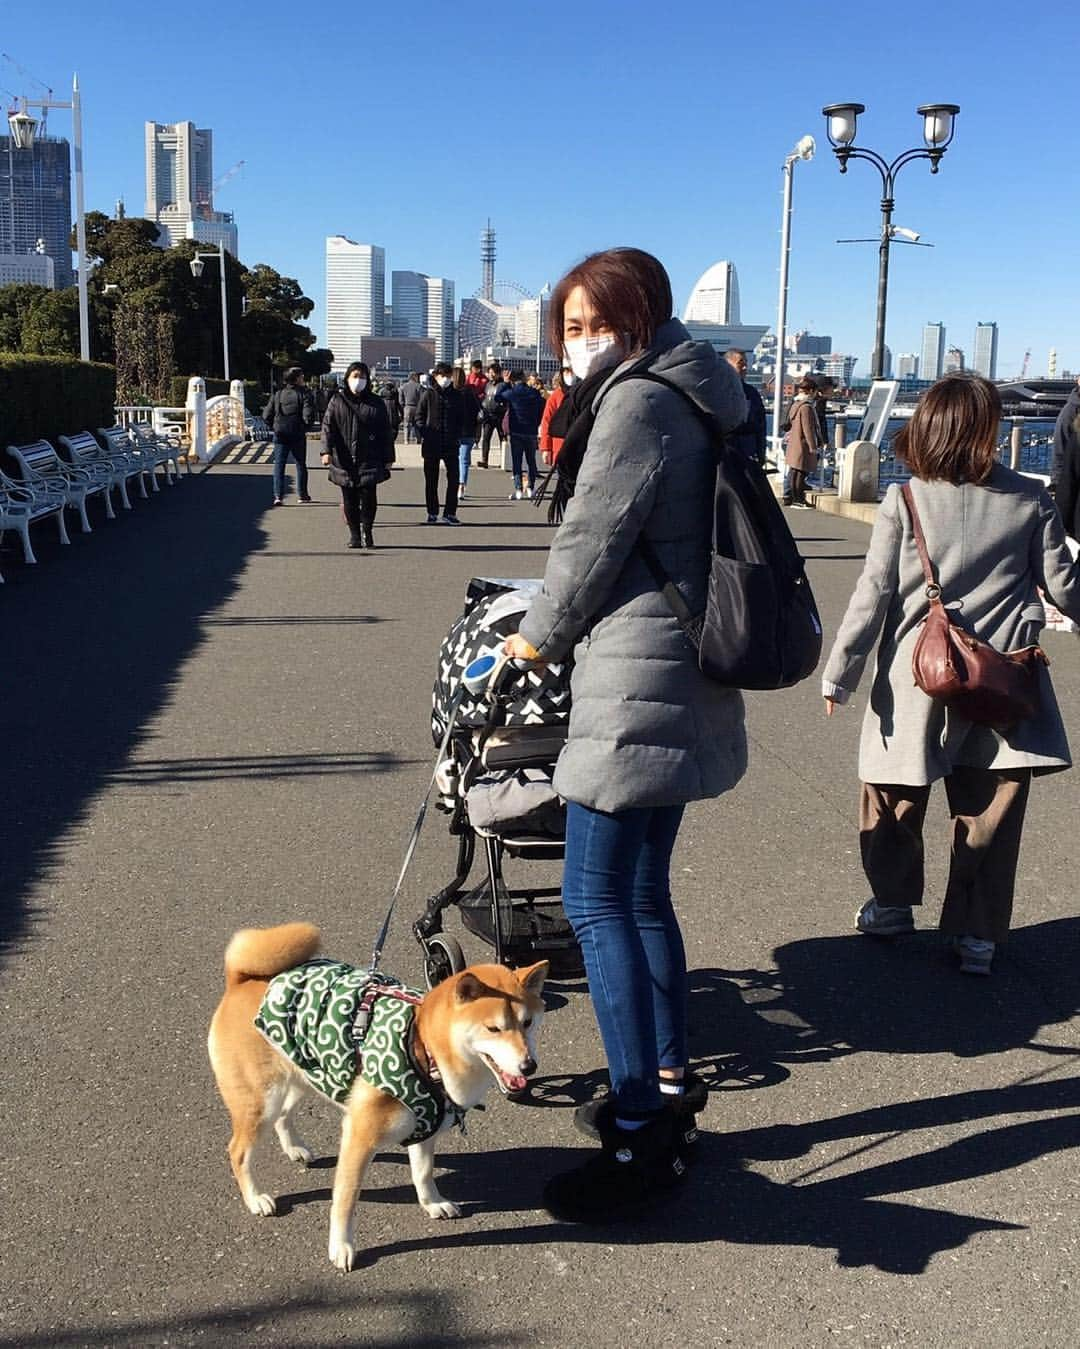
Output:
(356, 450)
(748, 438)
(389, 394)
(440, 419)
(287, 415)
(1065, 464)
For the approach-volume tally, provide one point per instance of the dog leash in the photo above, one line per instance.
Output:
(483, 673)
(380, 940)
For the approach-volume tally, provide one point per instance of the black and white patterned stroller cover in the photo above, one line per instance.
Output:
(502, 766)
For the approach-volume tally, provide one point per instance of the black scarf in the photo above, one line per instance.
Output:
(579, 425)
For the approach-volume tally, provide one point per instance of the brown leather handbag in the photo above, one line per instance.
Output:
(995, 688)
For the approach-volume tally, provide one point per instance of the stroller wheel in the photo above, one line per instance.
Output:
(444, 957)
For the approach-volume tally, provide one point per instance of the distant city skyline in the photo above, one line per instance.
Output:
(689, 197)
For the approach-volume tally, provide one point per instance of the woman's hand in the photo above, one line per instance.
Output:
(830, 706)
(517, 648)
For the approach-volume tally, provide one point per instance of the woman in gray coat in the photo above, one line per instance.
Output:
(995, 538)
(648, 732)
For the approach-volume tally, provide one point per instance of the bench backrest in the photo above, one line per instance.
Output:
(36, 460)
(116, 438)
(82, 447)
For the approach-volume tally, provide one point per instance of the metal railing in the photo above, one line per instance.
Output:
(224, 417)
(171, 422)
(1024, 443)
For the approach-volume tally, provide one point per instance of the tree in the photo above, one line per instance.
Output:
(16, 301)
(267, 289)
(269, 334)
(51, 325)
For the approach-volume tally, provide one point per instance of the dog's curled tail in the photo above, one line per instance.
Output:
(262, 952)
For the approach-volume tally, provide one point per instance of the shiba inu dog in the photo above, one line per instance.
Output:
(401, 1066)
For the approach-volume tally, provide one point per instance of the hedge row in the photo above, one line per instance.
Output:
(254, 399)
(42, 397)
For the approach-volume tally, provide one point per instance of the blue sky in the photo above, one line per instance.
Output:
(579, 126)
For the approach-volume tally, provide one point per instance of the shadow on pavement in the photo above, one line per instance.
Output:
(98, 634)
(154, 772)
(425, 1318)
(828, 997)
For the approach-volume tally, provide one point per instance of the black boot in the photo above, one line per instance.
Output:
(685, 1108)
(369, 537)
(634, 1170)
(355, 541)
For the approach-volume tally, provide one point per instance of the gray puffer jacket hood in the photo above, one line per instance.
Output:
(695, 368)
(646, 727)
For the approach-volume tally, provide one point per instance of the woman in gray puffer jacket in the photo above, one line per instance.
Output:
(648, 732)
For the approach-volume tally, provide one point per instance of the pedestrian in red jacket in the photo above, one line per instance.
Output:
(552, 426)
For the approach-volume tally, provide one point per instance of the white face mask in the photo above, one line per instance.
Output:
(589, 354)
(443, 381)
(568, 378)
(357, 383)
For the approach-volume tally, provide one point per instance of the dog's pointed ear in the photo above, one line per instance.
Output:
(468, 987)
(532, 977)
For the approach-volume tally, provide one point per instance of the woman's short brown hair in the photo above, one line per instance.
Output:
(953, 433)
(628, 289)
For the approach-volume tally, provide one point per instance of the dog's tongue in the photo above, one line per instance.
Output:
(515, 1083)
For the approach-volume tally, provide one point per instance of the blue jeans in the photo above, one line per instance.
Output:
(617, 896)
(465, 450)
(523, 446)
(298, 450)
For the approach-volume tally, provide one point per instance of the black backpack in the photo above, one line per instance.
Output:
(760, 628)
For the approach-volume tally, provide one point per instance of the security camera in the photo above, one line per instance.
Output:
(899, 232)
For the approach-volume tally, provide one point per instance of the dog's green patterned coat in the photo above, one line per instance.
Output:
(310, 1014)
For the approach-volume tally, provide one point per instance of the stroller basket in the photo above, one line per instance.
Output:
(496, 788)
(537, 930)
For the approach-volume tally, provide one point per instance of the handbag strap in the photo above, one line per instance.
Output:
(933, 589)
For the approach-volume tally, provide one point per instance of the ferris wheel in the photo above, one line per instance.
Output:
(490, 323)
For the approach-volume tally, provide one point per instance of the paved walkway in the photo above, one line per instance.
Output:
(214, 715)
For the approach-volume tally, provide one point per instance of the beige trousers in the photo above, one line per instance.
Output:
(987, 808)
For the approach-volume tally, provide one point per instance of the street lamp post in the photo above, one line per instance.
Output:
(23, 130)
(803, 150)
(545, 289)
(197, 265)
(938, 128)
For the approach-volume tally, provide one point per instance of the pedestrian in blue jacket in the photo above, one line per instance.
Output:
(526, 408)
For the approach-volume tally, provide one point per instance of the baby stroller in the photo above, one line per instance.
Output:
(503, 729)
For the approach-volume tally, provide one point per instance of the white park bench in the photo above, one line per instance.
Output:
(21, 506)
(42, 467)
(146, 438)
(118, 440)
(83, 451)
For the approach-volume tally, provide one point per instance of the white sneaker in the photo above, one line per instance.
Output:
(515, 496)
(528, 493)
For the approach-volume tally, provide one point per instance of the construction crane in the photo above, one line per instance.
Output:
(206, 204)
(29, 75)
(1024, 367)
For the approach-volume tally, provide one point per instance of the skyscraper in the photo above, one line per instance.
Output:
(954, 361)
(35, 204)
(180, 185)
(984, 362)
(440, 316)
(933, 351)
(408, 303)
(907, 365)
(355, 296)
(715, 297)
(423, 306)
